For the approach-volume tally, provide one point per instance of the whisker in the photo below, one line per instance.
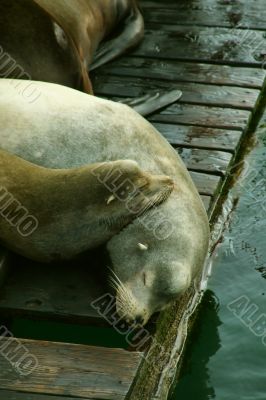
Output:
(125, 301)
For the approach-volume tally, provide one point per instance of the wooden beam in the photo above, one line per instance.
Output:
(67, 369)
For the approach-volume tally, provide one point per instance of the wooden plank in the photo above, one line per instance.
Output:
(61, 292)
(11, 395)
(206, 184)
(199, 137)
(202, 44)
(175, 71)
(215, 162)
(193, 93)
(68, 369)
(214, 117)
(221, 13)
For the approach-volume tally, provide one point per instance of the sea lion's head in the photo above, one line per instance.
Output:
(149, 271)
(150, 290)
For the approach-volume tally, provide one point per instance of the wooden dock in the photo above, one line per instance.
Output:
(214, 51)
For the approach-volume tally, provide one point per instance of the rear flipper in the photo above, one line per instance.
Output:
(4, 264)
(153, 101)
(131, 35)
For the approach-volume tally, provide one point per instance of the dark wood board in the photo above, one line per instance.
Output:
(192, 93)
(199, 137)
(207, 184)
(214, 162)
(68, 369)
(223, 13)
(201, 44)
(175, 71)
(209, 117)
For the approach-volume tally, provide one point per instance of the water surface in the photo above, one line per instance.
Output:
(226, 358)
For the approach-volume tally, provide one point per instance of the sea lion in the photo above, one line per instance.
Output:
(56, 214)
(156, 257)
(29, 48)
(55, 41)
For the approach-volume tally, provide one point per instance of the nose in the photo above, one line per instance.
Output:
(139, 320)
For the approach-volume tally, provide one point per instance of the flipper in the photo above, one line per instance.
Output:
(154, 101)
(85, 206)
(127, 190)
(131, 35)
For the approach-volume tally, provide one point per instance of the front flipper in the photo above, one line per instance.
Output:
(130, 37)
(127, 191)
(154, 101)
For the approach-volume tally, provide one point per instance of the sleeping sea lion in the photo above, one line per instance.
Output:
(157, 256)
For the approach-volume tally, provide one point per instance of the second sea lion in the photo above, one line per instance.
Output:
(56, 41)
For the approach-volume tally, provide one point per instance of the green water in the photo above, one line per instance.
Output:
(226, 358)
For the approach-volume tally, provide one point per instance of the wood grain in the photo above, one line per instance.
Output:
(187, 43)
(192, 93)
(207, 13)
(175, 71)
(206, 184)
(215, 162)
(69, 370)
(209, 117)
(199, 137)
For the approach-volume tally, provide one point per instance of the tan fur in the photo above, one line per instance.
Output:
(69, 206)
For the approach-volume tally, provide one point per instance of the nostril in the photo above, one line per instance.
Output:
(139, 320)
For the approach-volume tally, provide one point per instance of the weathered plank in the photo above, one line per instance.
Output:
(192, 93)
(221, 13)
(199, 137)
(213, 117)
(206, 184)
(215, 162)
(187, 43)
(12, 395)
(67, 369)
(175, 71)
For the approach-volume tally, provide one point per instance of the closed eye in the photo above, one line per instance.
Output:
(144, 278)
